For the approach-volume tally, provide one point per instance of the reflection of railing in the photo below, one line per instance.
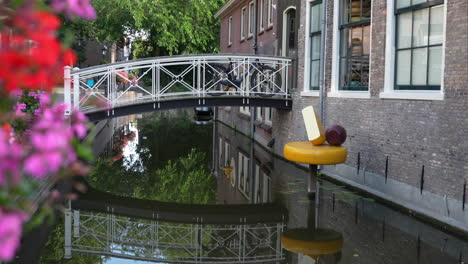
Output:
(162, 78)
(153, 240)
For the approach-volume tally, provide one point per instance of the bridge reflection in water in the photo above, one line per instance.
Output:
(144, 85)
(110, 225)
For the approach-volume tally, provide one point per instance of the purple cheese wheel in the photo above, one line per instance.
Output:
(335, 135)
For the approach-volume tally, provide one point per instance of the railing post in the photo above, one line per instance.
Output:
(76, 89)
(66, 89)
(153, 86)
(199, 86)
(68, 220)
(76, 223)
(158, 81)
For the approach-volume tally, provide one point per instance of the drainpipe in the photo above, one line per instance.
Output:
(322, 60)
(253, 114)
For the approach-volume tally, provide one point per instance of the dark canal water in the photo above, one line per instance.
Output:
(172, 158)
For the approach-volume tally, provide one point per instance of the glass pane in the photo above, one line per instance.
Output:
(403, 3)
(366, 9)
(403, 67)
(316, 17)
(404, 30)
(314, 75)
(315, 47)
(421, 27)
(437, 25)
(419, 66)
(415, 2)
(356, 45)
(366, 40)
(435, 62)
(344, 76)
(355, 11)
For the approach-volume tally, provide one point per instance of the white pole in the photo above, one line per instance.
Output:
(66, 88)
(76, 89)
(68, 219)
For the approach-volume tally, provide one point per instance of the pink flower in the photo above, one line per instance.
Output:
(80, 8)
(11, 225)
(10, 160)
(19, 109)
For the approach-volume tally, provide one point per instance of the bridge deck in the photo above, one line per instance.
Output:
(98, 201)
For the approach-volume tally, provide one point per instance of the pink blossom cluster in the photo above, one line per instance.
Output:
(79, 8)
(11, 226)
(50, 140)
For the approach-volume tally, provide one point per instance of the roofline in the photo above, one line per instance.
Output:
(224, 8)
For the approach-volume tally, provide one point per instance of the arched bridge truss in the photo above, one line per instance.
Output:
(172, 233)
(178, 81)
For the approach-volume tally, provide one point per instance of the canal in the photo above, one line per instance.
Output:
(179, 161)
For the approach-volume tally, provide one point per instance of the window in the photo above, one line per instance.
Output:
(243, 173)
(227, 153)
(315, 42)
(245, 110)
(257, 194)
(261, 16)
(243, 17)
(266, 188)
(268, 114)
(220, 152)
(270, 13)
(251, 18)
(418, 44)
(259, 116)
(230, 31)
(355, 45)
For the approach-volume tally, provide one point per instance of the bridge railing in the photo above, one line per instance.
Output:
(163, 78)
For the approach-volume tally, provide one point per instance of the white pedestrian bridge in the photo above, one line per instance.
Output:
(151, 84)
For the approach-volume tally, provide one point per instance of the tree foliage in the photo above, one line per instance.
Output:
(158, 27)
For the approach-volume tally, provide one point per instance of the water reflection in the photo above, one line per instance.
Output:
(173, 159)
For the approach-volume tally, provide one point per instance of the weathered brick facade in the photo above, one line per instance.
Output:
(412, 152)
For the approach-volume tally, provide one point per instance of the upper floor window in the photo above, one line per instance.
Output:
(243, 17)
(261, 15)
(251, 18)
(355, 45)
(270, 13)
(315, 42)
(419, 39)
(230, 31)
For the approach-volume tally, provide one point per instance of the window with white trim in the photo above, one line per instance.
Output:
(251, 18)
(258, 174)
(315, 37)
(227, 154)
(220, 152)
(270, 13)
(243, 174)
(262, 16)
(268, 115)
(260, 111)
(355, 19)
(418, 44)
(230, 31)
(242, 25)
(266, 188)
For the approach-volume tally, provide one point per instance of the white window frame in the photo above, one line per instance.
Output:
(270, 13)
(262, 16)
(233, 172)
(389, 92)
(335, 83)
(251, 23)
(243, 169)
(256, 195)
(307, 66)
(242, 29)
(229, 31)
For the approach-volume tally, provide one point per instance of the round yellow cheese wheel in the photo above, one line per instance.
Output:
(312, 242)
(306, 152)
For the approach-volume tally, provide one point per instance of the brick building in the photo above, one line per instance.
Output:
(395, 75)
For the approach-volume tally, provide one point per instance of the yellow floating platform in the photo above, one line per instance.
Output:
(306, 152)
(312, 242)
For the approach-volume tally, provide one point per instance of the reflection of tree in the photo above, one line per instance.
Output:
(172, 169)
(54, 249)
